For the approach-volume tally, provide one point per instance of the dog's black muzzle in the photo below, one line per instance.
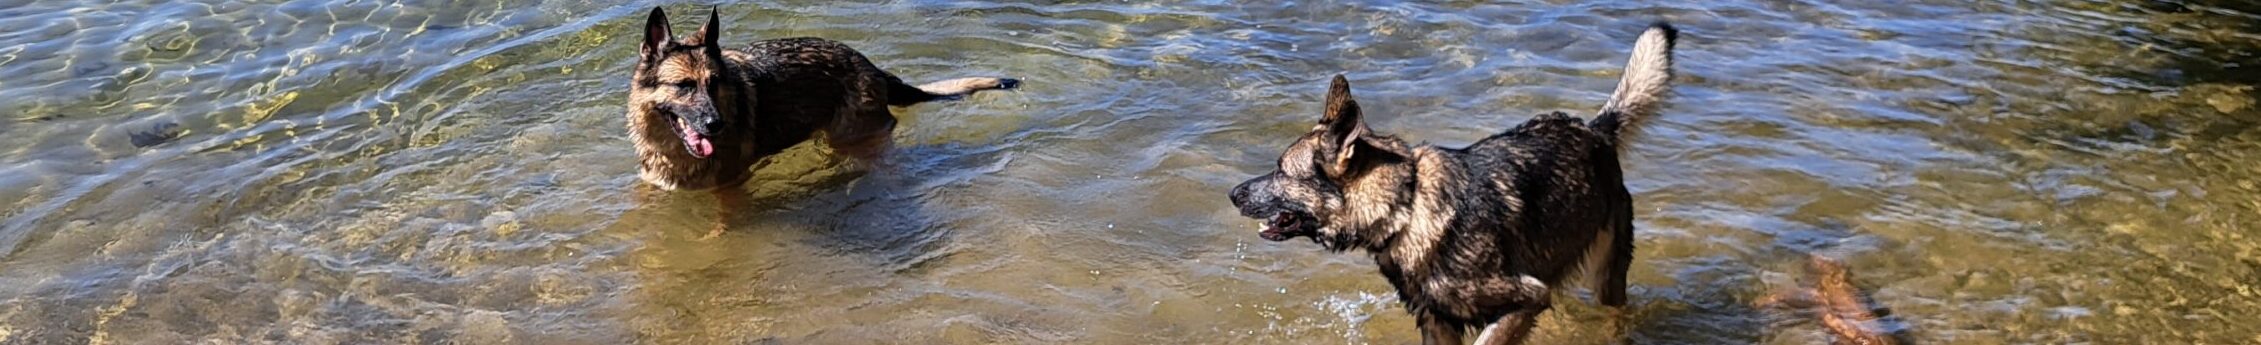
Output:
(1252, 208)
(1282, 220)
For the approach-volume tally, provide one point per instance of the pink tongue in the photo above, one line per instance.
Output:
(698, 142)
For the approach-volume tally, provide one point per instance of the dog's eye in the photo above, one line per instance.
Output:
(686, 84)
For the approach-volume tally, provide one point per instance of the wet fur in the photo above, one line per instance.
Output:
(760, 99)
(1472, 236)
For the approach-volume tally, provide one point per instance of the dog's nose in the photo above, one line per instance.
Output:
(1240, 193)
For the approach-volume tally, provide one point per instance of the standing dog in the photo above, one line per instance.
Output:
(701, 115)
(1473, 236)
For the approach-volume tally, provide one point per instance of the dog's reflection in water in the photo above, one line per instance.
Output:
(795, 174)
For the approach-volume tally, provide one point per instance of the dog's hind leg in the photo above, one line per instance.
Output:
(863, 132)
(1609, 280)
(1608, 258)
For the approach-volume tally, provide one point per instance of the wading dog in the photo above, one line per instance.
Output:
(701, 115)
(1473, 236)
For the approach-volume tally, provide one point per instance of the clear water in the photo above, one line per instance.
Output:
(322, 171)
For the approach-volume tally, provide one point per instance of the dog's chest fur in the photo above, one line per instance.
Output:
(663, 162)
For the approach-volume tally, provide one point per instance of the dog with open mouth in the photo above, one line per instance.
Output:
(702, 115)
(1475, 236)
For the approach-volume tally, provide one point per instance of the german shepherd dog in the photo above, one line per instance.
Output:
(1472, 236)
(701, 115)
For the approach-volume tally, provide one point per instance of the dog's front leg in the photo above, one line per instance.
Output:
(1435, 332)
(728, 201)
(1527, 292)
(1511, 329)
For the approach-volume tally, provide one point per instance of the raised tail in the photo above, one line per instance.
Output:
(900, 94)
(1648, 74)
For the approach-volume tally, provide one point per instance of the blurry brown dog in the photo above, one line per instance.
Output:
(1835, 302)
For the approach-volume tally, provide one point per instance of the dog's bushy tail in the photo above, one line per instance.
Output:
(900, 94)
(1648, 74)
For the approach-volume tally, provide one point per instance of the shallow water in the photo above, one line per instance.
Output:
(322, 171)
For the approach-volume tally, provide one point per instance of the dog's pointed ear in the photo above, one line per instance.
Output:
(656, 36)
(710, 34)
(1342, 115)
(1361, 149)
(1355, 145)
(1342, 111)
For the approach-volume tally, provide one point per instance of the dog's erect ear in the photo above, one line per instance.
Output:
(1355, 146)
(1342, 116)
(656, 36)
(710, 33)
(1361, 149)
(1342, 111)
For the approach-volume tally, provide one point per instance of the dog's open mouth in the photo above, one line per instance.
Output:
(1283, 226)
(692, 140)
